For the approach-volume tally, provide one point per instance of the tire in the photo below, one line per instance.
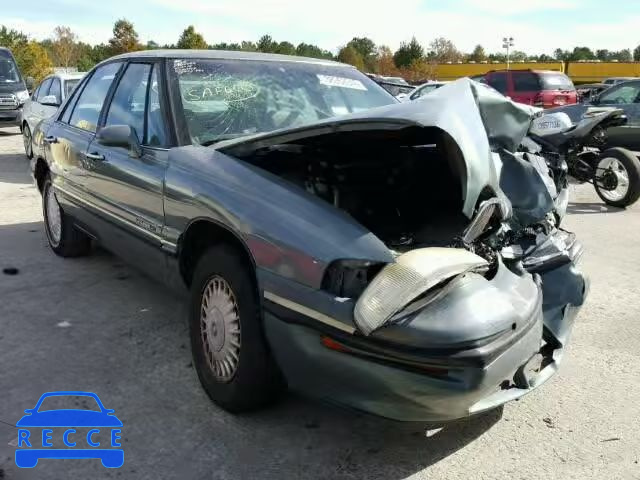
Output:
(27, 140)
(250, 380)
(68, 241)
(631, 164)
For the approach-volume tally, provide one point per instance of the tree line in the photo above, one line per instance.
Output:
(411, 60)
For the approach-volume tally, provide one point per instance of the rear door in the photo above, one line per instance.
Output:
(627, 97)
(127, 189)
(499, 81)
(47, 111)
(67, 140)
(526, 87)
(36, 109)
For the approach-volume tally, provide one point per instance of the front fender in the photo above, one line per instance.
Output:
(287, 230)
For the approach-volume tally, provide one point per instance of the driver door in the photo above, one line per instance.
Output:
(627, 97)
(127, 189)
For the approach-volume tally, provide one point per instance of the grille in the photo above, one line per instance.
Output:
(8, 101)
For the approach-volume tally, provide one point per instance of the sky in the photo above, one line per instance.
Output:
(537, 26)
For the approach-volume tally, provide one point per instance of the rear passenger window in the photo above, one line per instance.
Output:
(156, 132)
(525, 82)
(87, 109)
(127, 106)
(498, 81)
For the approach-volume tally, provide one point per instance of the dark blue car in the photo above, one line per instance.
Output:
(30, 449)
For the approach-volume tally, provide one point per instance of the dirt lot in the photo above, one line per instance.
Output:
(94, 324)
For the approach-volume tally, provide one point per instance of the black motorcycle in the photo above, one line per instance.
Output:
(576, 151)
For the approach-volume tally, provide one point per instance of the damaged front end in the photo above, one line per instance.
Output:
(469, 302)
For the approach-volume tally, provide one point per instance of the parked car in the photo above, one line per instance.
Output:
(588, 91)
(540, 88)
(421, 91)
(44, 102)
(13, 90)
(616, 80)
(624, 95)
(317, 251)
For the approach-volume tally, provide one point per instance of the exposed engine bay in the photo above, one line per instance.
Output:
(402, 185)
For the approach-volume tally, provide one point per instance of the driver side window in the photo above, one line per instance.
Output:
(621, 95)
(128, 104)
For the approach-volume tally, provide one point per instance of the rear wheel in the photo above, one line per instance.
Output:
(64, 239)
(27, 140)
(230, 353)
(617, 179)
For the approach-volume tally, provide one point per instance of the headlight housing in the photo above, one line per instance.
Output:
(22, 96)
(413, 274)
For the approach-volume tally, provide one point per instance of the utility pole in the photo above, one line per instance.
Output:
(507, 42)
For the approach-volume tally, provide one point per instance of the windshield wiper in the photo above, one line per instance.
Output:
(225, 136)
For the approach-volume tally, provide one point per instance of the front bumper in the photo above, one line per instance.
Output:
(11, 117)
(393, 379)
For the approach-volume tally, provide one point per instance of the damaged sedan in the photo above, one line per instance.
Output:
(404, 260)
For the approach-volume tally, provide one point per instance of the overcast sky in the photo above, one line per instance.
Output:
(538, 26)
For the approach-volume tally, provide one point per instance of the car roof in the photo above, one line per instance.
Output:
(226, 55)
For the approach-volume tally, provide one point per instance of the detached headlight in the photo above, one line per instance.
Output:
(413, 274)
(22, 96)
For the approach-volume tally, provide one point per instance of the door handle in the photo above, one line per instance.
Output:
(50, 139)
(94, 156)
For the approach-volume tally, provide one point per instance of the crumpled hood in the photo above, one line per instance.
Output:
(480, 120)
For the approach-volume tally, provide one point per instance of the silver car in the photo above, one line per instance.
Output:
(44, 102)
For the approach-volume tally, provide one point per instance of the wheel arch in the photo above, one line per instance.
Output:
(203, 233)
(40, 171)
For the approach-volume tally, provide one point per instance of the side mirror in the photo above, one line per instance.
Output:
(29, 82)
(50, 100)
(120, 136)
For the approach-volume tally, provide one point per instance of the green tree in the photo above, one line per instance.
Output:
(350, 55)
(443, 50)
(286, 48)
(581, 53)
(64, 47)
(248, 46)
(313, 51)
(367, 50)
(478, 54)
(603, 54)
(560, 54)
(517, 56)
(33, 60)
(11, 38)
(636, 53)
(190, 39)
(125, 38)
(408, 53)
(266, 44)
(623, 55)
(151, 45)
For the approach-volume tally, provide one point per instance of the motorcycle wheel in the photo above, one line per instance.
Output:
(617, 178)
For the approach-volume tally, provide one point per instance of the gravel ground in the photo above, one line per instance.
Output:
(95, 324)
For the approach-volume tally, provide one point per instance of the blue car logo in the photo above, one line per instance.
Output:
(42, 432)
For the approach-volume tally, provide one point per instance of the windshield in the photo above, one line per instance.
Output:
(8, 69)
(225, 99)
(65, 402)
(556, 81)
(70, 85)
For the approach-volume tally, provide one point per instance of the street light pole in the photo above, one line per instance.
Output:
(507, 42)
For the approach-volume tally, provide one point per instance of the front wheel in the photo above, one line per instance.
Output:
(617, 179)
(230, 352)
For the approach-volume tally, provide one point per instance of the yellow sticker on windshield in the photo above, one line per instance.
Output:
(341, 82)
